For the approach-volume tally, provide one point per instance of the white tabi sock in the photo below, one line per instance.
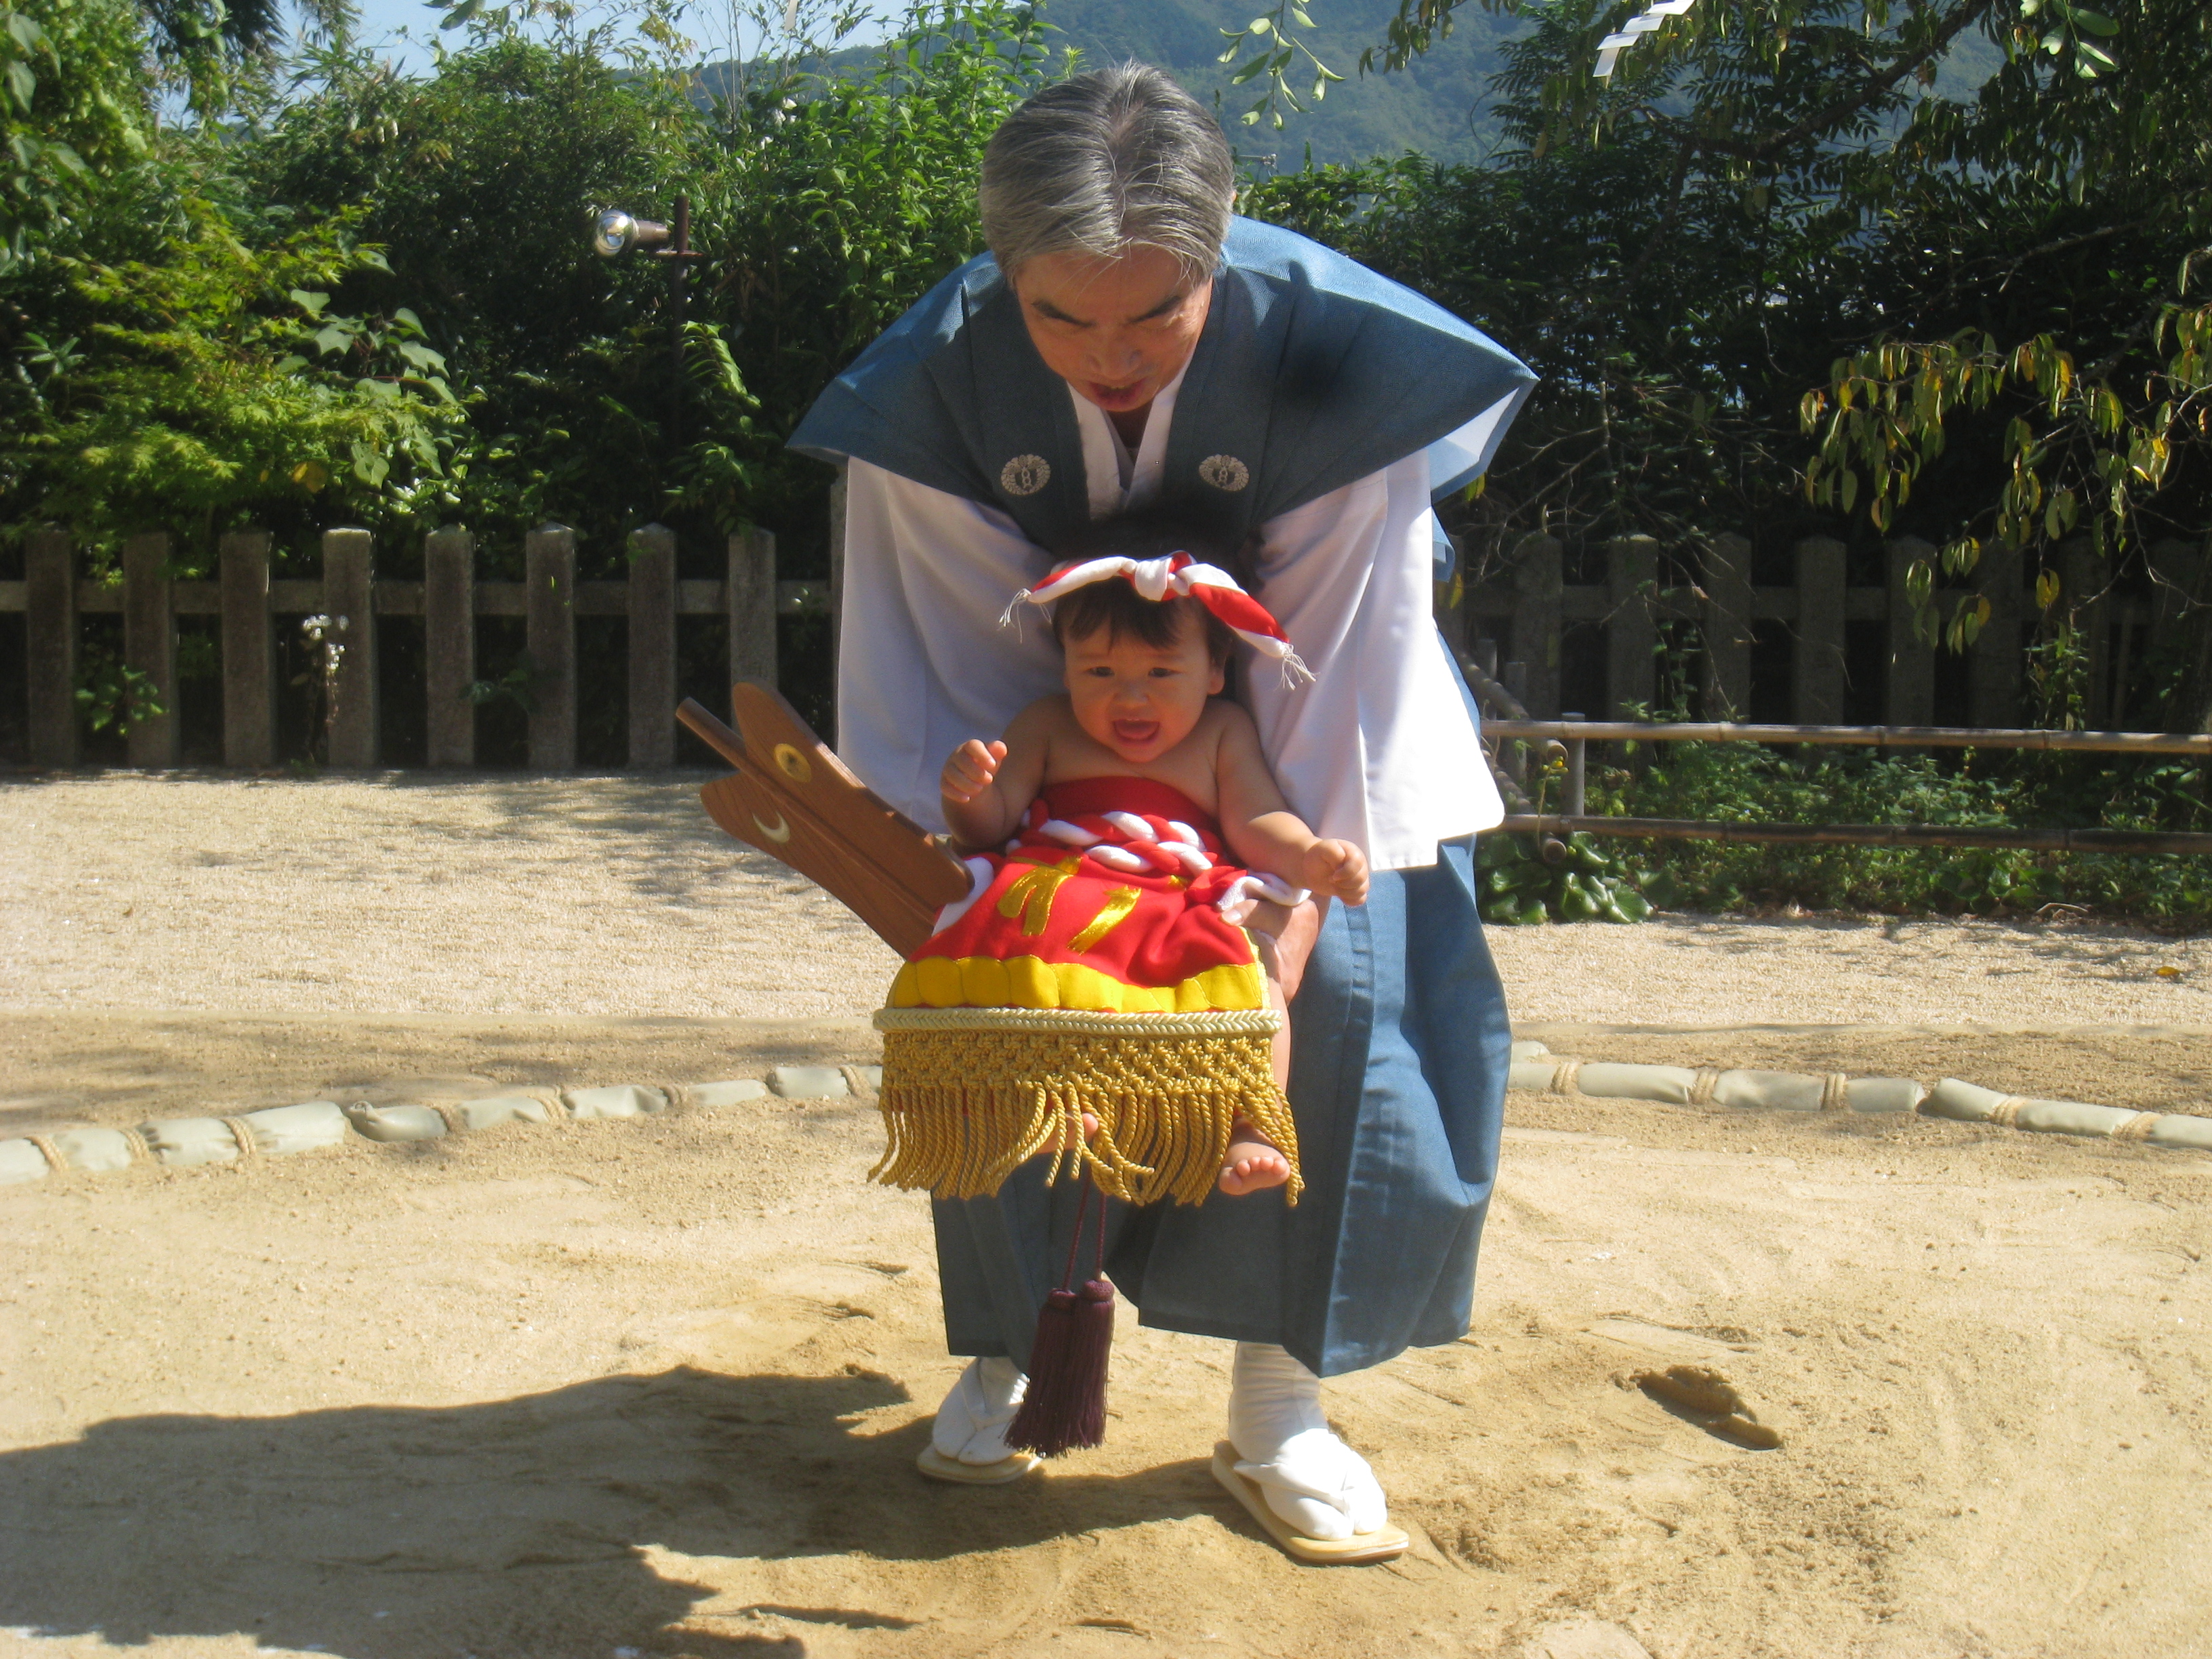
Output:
(1311, 1479)
(971, 1424)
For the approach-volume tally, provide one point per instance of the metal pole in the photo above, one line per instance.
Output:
(2189, 842)
(1875, 737)
(1577, 770)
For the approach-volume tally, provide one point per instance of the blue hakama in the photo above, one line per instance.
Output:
(1399, 1046)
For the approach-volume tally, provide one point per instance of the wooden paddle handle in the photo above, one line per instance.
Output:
(711, 731)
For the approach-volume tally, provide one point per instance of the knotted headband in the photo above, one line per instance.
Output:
(1177, 576)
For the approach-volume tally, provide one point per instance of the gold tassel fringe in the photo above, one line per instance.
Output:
(969, 1094)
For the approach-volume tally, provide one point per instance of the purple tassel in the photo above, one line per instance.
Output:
(1066, 1405)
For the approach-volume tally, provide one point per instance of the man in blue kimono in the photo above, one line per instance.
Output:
(1127, 343)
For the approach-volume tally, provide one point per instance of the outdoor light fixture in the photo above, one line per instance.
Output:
(616, 233)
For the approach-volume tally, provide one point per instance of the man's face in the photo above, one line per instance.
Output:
(1141, 700)
(1116, 330)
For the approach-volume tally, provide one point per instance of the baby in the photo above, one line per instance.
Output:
(1144, 677)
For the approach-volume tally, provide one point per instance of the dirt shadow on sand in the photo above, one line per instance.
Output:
(510, 1528)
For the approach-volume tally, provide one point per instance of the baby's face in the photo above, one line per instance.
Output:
(1138, 700)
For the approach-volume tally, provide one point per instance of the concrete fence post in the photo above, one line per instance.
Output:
(1538, 578)
(1994, 668)
(449, 646)
(1818, 679)
(652, 649)
(752, 598)
(249, 652)
(349, 591)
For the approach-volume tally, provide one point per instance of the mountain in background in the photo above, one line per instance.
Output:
(1439, 105)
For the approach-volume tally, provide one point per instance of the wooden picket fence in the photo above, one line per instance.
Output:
(1524, 616)
(53, 597)
(1513, 627)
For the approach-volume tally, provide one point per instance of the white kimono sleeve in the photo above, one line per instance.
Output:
(923, 665)
(1379, 750)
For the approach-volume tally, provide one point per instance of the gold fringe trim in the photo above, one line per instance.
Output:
(1213, 1022)
(965, 1104)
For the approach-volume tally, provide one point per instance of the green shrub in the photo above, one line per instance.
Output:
(1582, 880)
(1750, 782)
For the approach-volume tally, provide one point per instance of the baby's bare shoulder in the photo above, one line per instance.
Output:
(1048, 714)
(1228, 722)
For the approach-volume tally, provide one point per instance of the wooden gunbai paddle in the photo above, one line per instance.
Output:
(793, 798)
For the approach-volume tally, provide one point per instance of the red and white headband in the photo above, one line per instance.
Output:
(1177, 576)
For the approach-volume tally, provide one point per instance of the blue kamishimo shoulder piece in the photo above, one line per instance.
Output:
(1312, 372)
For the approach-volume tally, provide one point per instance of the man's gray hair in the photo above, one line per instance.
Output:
(1117, 159)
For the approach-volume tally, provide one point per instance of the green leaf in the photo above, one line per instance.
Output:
(1259, 25)
(310, 302)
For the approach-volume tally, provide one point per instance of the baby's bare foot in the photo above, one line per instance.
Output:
(1253, 1163)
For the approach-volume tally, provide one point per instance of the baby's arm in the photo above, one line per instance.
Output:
(987, 786)
(1262, 830)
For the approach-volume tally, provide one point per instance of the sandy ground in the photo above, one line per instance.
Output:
(654, 1389)
(611, 896)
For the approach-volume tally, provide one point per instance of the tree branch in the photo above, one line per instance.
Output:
(1837, 109)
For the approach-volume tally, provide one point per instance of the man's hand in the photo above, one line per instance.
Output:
(1337, 868)
(975, 765)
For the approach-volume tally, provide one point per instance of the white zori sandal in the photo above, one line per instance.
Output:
(967, 1445)
(1315, 1496)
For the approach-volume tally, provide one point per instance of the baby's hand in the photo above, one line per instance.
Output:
(973, 766)
(1338, 867)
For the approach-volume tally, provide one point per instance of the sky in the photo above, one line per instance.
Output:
(714, 24)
